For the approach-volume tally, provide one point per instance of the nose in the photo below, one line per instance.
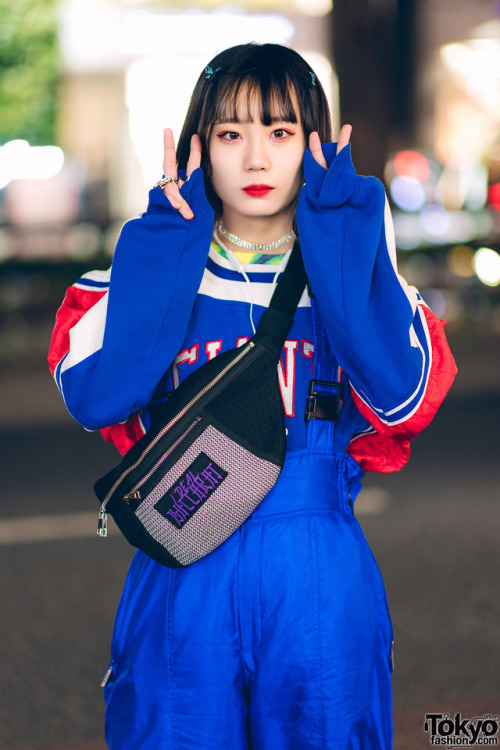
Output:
(256, 154)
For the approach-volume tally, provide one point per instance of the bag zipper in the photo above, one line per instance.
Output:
(134, 493)
(102, 522)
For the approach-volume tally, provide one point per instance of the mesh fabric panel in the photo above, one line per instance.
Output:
(225, 509)
(252, 407)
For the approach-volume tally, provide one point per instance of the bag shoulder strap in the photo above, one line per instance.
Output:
(289, 289)
(277, 319)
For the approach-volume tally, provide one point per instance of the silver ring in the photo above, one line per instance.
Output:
(166, 181)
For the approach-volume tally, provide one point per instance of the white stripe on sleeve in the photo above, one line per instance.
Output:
(87, 335)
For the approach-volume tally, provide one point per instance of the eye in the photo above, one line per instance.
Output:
(281, 133)
(228, 135)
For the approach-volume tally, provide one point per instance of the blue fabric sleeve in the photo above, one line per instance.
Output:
(155, 275)
(368, 311)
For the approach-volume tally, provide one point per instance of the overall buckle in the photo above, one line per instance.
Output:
(324, 405)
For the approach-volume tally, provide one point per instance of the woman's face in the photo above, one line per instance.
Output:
(256, 169)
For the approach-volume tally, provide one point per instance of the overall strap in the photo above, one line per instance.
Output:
(324, 399)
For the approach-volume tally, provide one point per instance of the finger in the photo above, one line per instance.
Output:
(169, 156)
(316, 150)
(172, 193)
(194, 160)
(185, 209)
(344, 137)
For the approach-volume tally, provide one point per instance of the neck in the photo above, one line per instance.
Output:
(262, 230)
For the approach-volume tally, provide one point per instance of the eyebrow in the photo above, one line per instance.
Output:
(245, 121)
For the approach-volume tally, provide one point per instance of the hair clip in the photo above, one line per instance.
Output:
(210, 73)
(312, 78)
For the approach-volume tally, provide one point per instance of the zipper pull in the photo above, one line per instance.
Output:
(102, 523)
(108, 674)
(131, 496)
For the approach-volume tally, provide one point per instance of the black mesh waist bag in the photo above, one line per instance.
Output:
(214, 449)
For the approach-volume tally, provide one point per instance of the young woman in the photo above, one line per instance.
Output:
(281, 638)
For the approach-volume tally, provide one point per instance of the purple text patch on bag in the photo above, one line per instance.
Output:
(191, 490)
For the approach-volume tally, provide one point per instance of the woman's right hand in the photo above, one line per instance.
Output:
(315, 144)
(172, 189)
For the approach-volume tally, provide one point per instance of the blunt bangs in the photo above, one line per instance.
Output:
(237, 95)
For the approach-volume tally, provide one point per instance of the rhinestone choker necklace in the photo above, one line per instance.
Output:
(255, 247)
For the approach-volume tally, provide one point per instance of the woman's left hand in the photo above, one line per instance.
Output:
(315, 144)
(172, 189)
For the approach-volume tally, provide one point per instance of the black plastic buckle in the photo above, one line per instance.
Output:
(321, 406)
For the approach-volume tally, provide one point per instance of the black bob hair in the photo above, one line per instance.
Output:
(271, 72)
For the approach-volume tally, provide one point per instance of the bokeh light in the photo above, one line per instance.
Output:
(313, 7)
(494, 195)
(20, 161)
(407, 230)
(487, 266)
(407, 193)
(435, 222)
(460, 260)
(412, 164)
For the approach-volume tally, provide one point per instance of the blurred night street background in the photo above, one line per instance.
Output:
(86, 88)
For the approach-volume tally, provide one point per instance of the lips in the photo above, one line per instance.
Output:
(257, 191)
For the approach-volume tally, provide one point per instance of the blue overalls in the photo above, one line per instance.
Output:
(280, 639)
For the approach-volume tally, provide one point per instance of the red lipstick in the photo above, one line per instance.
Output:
(257, 191)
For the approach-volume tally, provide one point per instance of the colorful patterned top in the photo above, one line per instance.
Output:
(247, 258)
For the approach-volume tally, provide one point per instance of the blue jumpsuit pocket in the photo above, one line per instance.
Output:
(384, 604)
(128, 605)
